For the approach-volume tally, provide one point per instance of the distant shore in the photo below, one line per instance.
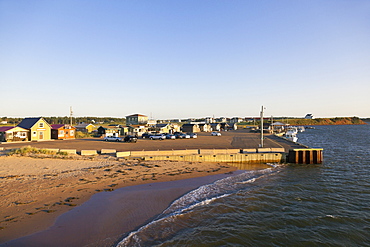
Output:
(36, 191)
(326, 121)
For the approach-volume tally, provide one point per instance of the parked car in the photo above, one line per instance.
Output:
(178, 135)
(185, 136)
(193, 135)
(157, 137)
(170, 136)
(146, 135)
(215, 134)
(130, 138)
(112, 139)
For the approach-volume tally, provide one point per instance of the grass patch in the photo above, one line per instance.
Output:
(80, 135)
(32, 151)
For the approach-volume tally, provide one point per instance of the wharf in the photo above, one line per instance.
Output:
(230, 140)
(239, 139)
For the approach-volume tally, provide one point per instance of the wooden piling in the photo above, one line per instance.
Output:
(305, 156)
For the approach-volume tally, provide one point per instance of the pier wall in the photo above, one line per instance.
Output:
(227, 158)
(252, 155)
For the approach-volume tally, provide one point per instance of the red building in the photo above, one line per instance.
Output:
(62, 131)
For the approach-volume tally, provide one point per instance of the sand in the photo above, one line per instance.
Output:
(35, 191)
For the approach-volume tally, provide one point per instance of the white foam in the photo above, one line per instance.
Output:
(201, 196)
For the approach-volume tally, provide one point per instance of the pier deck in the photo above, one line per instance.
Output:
(240, 139)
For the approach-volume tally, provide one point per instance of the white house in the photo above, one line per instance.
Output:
(309, 116)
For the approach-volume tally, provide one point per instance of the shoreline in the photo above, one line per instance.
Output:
(114, 215)
(37, 192)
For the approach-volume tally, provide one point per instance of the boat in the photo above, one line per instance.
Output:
(291, 135)
(292, 129)
(301, 128)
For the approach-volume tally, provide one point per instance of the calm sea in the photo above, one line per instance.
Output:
(290, 205)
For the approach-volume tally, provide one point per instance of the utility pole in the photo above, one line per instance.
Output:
(261, 145)
(70, 115)
(272, 126)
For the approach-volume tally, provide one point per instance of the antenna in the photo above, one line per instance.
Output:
(70, 115)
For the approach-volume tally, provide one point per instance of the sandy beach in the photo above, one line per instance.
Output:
(35, 191)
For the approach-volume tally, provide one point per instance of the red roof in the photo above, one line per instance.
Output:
(6, 128)
(136, 115)
(57, 126)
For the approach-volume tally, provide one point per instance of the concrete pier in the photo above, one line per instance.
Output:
(232, 146)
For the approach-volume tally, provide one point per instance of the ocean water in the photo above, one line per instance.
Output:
(278, 205)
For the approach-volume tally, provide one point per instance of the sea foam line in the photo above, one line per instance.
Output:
(201, 196)
(133, 239)
(217, 188)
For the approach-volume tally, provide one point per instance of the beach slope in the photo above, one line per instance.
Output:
(35, 191)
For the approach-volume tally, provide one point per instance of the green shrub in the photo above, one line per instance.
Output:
(80, 135)
(28, 150)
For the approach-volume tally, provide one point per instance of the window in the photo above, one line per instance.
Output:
(72, 132)
(34, 133)
(41, 125)
(62, 132)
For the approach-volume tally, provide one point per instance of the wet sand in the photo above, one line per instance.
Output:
(36, 191)
(107, 217)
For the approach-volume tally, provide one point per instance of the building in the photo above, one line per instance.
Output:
(233, 126)
(137, 130)
(136, 119)
(109, 131)
(205, 127)
(166, 128)
(13, 134)
(209, 120)
(177, 120)
(216, 126)
(124, 130)
(236, 120)
(224, 126)
(152, 122)
(63, 132)
(39, 129)
(83, 127)
(309, 116)
(190, 128)
(221, 120)
(278, 127)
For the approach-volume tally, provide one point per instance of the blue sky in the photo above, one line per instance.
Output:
(179, 59)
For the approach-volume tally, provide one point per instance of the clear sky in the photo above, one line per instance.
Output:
(179, 59)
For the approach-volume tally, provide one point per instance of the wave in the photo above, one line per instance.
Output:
(171, 219)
